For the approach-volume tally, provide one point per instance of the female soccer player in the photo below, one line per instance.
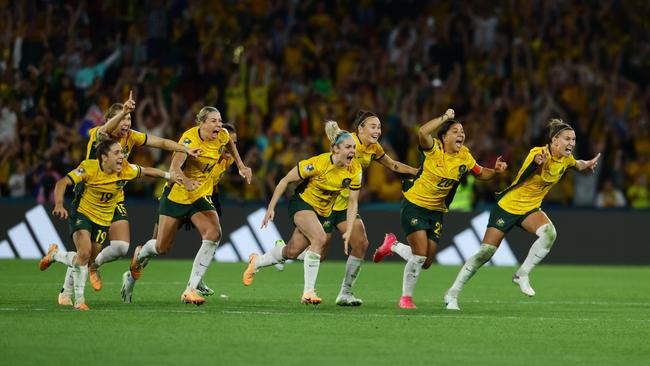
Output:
(118, 128)
(103, 179)
(368, 130)
(446, 160)
(192, 200)
(520, 205)
(323, 178)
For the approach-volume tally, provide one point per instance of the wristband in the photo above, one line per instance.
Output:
(168, 176)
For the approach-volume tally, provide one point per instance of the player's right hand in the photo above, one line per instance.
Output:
(270, 214)
(60, 212)
(191, 184)
(450, 114)
(129, 105)
(540, 158)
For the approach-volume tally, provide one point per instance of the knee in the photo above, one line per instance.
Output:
(121, 247)
(363, 245)
(83, 257)
(291, 252)
(318, 243)
(548, 232)
(213, 234)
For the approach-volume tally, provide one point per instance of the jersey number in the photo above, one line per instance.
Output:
(106, 196)
(437, 228)
(101, 237)
(446, 182)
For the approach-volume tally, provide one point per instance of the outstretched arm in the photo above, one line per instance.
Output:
(487, 173)
(292, 176)
(169, 145)
(588, 164)
(426, 131)
(397, 166)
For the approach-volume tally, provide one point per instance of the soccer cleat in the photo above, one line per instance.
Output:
(95, 277)
(203, 289)
(48, 259)
(385, 248)
(136, 268)
(524, 284)
(128, 283)
(279, 266)
(249, 273)
(82, 307)
(310, 298)
(406, 302)
(451, 301)
(191, 297)
(348, 299)
(65, 299)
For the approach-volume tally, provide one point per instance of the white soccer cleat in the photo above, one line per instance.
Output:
(524, 284)
(126, 292)
(451, 301)
(203, 289)
(279, 266)
(348, 299)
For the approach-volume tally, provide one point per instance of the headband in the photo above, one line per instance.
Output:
(343, 136)
(567, 127)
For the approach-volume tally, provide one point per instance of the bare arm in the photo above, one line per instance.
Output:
(59, 192)
(426, 131)
(487, 173)
(244, 171)
(169, 145)
(588, 164)
(175, 168)
(397, 166)
(292, 176)
(353, 209)
(111, 124)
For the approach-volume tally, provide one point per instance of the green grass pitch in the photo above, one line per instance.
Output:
(582, 315)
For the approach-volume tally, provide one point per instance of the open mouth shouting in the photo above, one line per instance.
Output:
(215, 132)
(459, 142)
(348, 158)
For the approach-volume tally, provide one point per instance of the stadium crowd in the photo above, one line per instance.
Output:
(278, 69)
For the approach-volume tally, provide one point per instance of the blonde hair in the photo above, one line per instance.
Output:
(203, 114)
(555, 126)
(113, 110)
(334, 133)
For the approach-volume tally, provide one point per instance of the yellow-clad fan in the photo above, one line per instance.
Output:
(520, 205)
(190, 200)
(446, 160)
(323, 178)
(104, 179)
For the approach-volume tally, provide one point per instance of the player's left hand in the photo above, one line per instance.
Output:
(246, 173)
(346, 241)
(593, 163)
(500, 166)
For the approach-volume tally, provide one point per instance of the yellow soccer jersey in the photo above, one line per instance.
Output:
(102, 191)
(365, 155)
(220, 170)
(533, 182)
(323, 181)
(133, 138)
(201, 169)
(436, 182)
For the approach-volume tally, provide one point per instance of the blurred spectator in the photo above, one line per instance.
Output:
(610, 196)
(18, 181)
(638, 194)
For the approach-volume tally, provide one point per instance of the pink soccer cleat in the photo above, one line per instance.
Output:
(385, 248)
(406, 302)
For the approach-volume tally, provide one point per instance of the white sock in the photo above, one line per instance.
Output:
(273, 256)
(412, 271)
(202, 261)
(311, 265)
(301, 256)
(148, 250)
(68, 282)
(352, 268)
(65, 258)
(470, 267)
(79, 274)
(540, 248)
(117, 249)
(402, 250)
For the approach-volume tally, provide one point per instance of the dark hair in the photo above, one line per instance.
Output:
(360, 119)
(113, 110)
(555, 126)
(230, 127)
(444, 128)
(103, 147)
